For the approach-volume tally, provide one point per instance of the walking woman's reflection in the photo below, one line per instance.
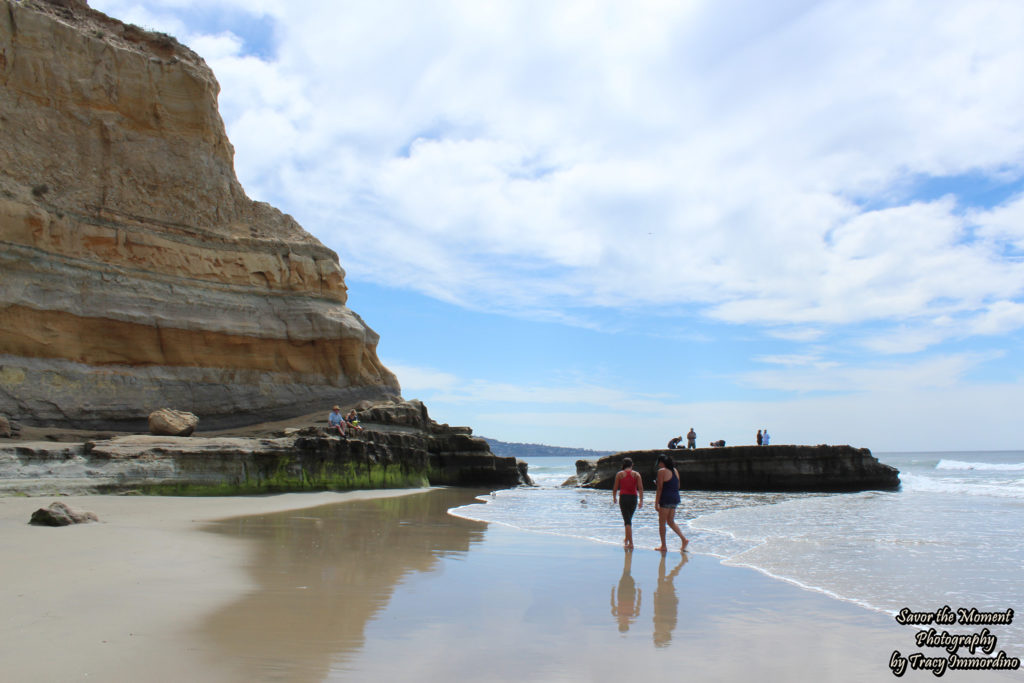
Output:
(626, 606)
(666, 604)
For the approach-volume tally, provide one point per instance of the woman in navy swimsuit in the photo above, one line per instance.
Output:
(666, 498)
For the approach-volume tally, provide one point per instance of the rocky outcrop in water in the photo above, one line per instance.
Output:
(752, 468)
(400, 446)
(134, 271)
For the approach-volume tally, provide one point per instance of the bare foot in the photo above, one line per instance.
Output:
(682, 549)
(661, 549)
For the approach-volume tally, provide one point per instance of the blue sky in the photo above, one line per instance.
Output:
(598, 224)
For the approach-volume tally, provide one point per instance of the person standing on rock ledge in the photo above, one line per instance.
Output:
(760, 439)
(666, 499)
(629, 488)
(764, 436)
(691, 439)
(336, 421)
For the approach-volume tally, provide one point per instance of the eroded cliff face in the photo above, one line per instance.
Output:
(134, 271)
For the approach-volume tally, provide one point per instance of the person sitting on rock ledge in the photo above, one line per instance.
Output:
(352, 420)
(674, 443)
(718, 444)
(336, 421)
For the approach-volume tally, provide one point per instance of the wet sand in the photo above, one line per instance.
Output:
(121, 600)
(386, 587)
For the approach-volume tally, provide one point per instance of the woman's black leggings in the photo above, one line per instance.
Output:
(627, 504)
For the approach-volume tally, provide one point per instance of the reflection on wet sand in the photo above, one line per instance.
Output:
(626, 605)
(322, 574)
(666, 604)
(626, 600)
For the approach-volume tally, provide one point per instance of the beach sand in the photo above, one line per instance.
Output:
(386, 585)
(121, 600)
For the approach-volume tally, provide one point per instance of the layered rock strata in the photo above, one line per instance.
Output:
(402, 448)
(135, 273)
(752, 468)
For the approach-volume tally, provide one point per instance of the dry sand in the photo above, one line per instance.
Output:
(391, 587)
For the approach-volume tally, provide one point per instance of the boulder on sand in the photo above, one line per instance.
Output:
(59, 514)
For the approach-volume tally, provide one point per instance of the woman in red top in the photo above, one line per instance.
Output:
(629, 489)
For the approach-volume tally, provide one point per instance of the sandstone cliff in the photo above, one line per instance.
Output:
(752, 468)
(134, 271)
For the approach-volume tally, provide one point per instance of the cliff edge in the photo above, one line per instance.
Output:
(135, 273)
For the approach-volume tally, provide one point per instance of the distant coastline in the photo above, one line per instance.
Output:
(537, 450)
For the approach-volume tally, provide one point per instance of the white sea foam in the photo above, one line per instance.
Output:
(1001, 488)
(980, 466)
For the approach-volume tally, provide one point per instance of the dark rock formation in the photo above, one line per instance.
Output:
(400, 446)
(753, 468)
(59, 514)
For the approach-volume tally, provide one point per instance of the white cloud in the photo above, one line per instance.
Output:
(820, 376)
(1003, 225)
(424, 379)
(749, 162)
(151, 16)
(904, 339)
(796, 334)
(999, 318)
(812, 360)
(217, 47)
(447, 388)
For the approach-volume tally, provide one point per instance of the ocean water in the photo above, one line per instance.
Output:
(951, 536)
